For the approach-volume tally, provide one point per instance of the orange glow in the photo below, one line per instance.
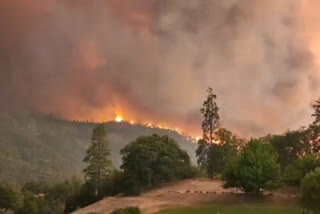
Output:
(118, 119)
(120, 115)
(198, 138)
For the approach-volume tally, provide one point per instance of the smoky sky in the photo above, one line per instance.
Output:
(152, 60)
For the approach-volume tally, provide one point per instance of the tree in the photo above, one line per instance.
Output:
(295, 172)
(85, 196)
(202, 154)
(97, 158)
(313, 132)
(35, 187)
(59, 194)
(29, 207)
(213, 158)
(217, 156)
(152, 160)
(226, 137)
(290, 146)
(211, 117)
(210, 124)
(311, 191)
(316, 114)
(255, 169)
(312, 140)
(8, 198)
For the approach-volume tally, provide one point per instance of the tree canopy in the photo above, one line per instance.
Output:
(290, 146)
(311, 191)
(99, 165)
(316, 113)
(213, 158)
(295, 172)
(255, 169)
(151, 160)
(8, 198)
(211, 116)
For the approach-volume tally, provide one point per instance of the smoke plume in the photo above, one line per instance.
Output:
(152, 60)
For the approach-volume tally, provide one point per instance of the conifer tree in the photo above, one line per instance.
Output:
(210, 125)
(97, 159)
(211, 119)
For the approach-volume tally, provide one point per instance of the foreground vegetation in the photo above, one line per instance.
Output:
(237, 208)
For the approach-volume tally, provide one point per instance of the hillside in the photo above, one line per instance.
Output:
(38, 147)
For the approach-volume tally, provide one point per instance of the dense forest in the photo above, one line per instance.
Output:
(36, 147)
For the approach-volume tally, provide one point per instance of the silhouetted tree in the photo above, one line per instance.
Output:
(211, 119)
(209, 125)
(97, 158)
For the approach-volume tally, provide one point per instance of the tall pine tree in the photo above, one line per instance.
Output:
(97, 159)
(210, 124)
(211, 119)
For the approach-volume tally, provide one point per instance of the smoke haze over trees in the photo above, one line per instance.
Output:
(93, 56)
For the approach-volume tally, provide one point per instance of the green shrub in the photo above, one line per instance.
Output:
(254, 170)
(295, 172)
(311, 191)
(8, 197)
(128, 210)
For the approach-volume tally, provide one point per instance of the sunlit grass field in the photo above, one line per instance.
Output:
(237, 208)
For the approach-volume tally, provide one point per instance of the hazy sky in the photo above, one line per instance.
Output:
(152, 60)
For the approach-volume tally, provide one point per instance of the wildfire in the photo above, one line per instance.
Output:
(198, 138)
(118, 119)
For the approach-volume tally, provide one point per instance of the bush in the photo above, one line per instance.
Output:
(295, 172)
(114, 184)
(254, 170)
(8, 198)
(128, 210)
(29, 207)
(84, 197)
(311, 191)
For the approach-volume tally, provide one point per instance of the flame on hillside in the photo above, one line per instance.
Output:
(120, 119)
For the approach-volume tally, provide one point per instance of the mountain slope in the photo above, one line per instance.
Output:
(37, 147)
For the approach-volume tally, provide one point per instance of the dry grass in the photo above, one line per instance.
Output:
(181, 194)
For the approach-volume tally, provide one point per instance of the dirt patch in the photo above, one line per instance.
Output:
(184, 193)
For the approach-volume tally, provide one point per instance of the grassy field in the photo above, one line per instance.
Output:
(239, 208)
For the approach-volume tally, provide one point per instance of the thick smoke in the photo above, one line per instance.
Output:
(152, 60)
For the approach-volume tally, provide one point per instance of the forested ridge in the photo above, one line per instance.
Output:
(35, 147)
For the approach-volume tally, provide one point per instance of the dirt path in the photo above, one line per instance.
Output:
(184, 193)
